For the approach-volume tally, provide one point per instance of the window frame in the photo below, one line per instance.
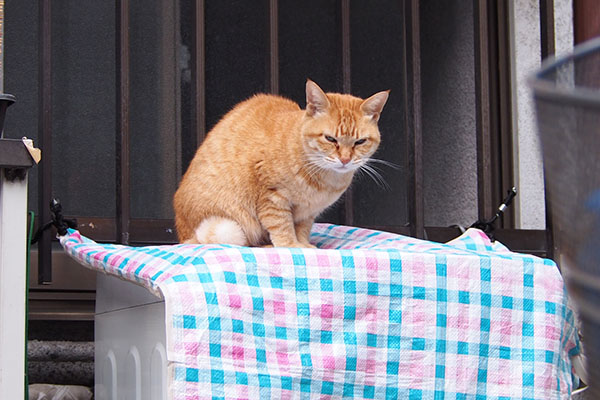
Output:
(493, 121)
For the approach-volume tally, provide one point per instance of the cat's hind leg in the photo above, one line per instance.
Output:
(219, 230)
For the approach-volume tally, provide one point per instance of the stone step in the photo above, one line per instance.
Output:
(39, 350)
(62, 372)
(61, 362)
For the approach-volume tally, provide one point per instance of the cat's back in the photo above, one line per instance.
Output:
(269, 102)
(259, 105)
(260, 109)
(261, 120)
(221, 179)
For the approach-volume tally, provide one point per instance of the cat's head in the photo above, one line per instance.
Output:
(339, 131)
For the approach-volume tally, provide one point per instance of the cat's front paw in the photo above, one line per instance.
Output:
(307, 245)
(303, 246)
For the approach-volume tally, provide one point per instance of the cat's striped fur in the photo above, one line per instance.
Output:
(268, 168)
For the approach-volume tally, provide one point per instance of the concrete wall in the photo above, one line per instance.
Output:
(526, 50)
(563, 26)
(448, 95)
(530, 212)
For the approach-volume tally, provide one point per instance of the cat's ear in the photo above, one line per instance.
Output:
(316, 99)
(372, 106)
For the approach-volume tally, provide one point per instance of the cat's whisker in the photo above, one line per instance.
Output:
(377, 179)
(320, 160)
(384, 162)
(312, 158)
(360, 162)
(313, 167)
(367, 173)
(376, 176)
(374, 168)
(315, 170)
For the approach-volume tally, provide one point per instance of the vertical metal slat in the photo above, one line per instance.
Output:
(547, 27)
(506, 180)
(274, 46)
(45, 139)
(499, 108)
(413, 127)
(122, 134)
(199, 75)
(1, 47)
(348, 210)
(346, 60)
(482, 96)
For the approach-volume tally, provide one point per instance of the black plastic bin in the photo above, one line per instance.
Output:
(567, 99)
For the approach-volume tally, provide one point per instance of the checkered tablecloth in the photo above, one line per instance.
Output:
(368, 315)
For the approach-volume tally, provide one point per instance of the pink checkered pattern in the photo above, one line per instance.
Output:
(368, 315)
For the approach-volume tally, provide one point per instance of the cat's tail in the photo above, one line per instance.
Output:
(219, 230)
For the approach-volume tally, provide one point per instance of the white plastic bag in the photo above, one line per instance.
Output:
(41, 391)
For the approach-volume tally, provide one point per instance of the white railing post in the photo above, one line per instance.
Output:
(14, 163)
(13, 236)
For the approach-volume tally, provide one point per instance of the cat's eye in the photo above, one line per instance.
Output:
(360, 141)
(330, 139)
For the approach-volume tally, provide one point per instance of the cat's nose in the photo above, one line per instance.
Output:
(345, 160)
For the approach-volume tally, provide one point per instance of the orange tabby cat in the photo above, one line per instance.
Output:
(268, 168)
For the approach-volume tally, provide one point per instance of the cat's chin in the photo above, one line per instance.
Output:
(343, 170)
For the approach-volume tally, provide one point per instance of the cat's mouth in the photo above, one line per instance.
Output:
(334, 164)
(344, 167)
